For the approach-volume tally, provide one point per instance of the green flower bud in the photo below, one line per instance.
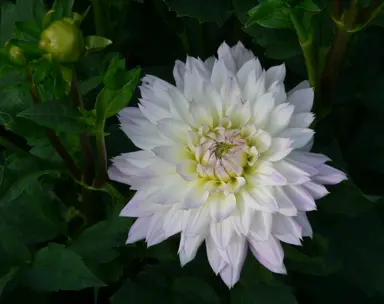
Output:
(15, 54)
(77, 18)
(63, 40)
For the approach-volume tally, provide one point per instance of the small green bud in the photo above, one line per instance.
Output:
(77, 18)
(63, 40)
(15, 54)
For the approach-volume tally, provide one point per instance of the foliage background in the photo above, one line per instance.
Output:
(61, 241)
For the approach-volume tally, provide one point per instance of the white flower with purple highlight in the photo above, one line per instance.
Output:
(224, 160)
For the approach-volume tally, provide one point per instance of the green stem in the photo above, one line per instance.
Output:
(54, 139)
(99, 17)
(307, 48)
(84, 139)
(102, 156)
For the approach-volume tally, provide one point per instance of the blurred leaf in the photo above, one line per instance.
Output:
(57, 115)
(186, 286)
(29, 28)
(62, 8)
(276, 293)
(110, 102)
(308, 5)
(205, 11)
(96, 43)
(90, 84)
(100, 242)
(57, 268)
(8, 17)
(41, 70)
(29, 47)
(270, 14)
(30, 10)
(5, 279)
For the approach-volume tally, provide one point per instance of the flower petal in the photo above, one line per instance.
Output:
(300, 136)
(302, 100)
(214, 258)
(329, 175)
(300, 197)
(138, 230)
(188, 247)
(286, 229)
(221, 206)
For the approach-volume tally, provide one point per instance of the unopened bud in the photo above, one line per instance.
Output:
(63, 40)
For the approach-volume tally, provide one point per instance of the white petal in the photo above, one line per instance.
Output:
(254, 87)
(301, 120)
(155, 233)
(152, 111)
(316, 190)
(286, 229)
(261, 225)
(188, 248)
(241, 54)
(236, 252)
(197, 65)
(138, 230)
(280, 148)
(300, 136)
(173, 221)
(280, 118)
(242, 221)
(180, 106)
(173, 129)
(178, 74)
(141, 204)
(221, 206)
(275, 73)
(309, 170)
(311, 159)
(187, 170)
(116, 175)
(209, 63)
(220, 74)
(252, 200)
(329, 175)
(291, 173)
(196, 221)
(302, 85)
(302, 199)
(269, 253)
(262, 109)
(225, 54)
(214, 258)
(302, 100)
(302, 219)
(286, 206)
(251, 67)
(195, 195)
(222, 232)
(172, 154)
(261, 140)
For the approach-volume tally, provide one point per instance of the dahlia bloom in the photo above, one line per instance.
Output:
(224, 159)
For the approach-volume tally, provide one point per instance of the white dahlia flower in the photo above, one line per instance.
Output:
(224, 159)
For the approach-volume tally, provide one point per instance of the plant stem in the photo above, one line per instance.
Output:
(84, 139)
(102, 156)
(54, 139)
(99, 18)
(307, 48)
(339, 47)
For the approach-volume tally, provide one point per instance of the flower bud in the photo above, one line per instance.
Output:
(63, 40)
(15, 54)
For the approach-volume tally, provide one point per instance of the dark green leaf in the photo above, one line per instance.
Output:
(62, 8)
(96, 43)
(8, 17)
(271, 14)
(100, 242)
(205, 11)
(114, 77)
(88, 85)
(60, 116)
(5, 279)
(276, 293)
(308, 5)
(29, 28)
(197, 287)
(42, 69)
(57, 268)
(28, 47)
(30, 10)
(110, 102)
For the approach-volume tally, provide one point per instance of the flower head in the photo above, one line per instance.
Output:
(225, 160)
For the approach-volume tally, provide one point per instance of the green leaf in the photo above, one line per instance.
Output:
(96, 43)
(270, 14)
(29, 28)
(22, 183)
(110, 102)
(30, 10)
(205, 11)
(28, 47)
(197, 287)
(42, 69)
(115, 76)
(100, 242)
(57, 268)
(62, 8)
(57, 115)
(7, 278)
(8, 17)
(90, 84)
(308, 5)
(276, 293)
